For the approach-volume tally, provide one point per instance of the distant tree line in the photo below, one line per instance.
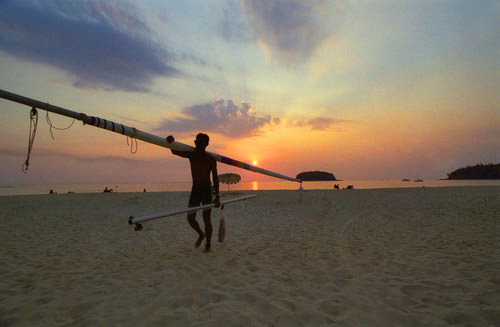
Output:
(480, 171)
(316, 176)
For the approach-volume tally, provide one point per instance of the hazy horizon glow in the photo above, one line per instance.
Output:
(363, 89)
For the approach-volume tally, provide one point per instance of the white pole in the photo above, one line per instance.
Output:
(133, 132)
(138, 220)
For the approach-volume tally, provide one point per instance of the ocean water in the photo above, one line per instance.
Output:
(26, 189)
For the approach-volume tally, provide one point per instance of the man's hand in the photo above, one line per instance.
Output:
(170, 139)
(217, 201)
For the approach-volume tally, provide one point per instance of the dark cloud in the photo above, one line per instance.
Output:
(233, 25)
(292, 29)
(99, 44)
(317, 123)
(219, 116)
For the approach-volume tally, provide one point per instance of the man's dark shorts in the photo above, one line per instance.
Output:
(200, 194)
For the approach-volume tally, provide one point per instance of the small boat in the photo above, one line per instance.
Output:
(405, 180)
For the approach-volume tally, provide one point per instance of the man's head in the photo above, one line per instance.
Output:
(201, 140)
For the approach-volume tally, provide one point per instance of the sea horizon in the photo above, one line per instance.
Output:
(124, 187)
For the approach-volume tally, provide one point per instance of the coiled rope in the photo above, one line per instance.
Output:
(31, 138)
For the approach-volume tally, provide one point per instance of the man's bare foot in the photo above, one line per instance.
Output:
(200, 239)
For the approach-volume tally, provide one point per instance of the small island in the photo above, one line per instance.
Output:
(316, 176)
(480, 171)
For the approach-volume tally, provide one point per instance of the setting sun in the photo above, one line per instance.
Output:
(254, 162)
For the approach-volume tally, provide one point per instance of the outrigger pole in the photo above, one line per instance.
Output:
(133, 132)
(139, 220)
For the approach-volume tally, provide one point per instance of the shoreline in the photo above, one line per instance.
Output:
(42, 189)
(377, 257)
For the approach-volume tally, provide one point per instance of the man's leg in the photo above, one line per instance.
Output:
(208, 228)
(194, 224)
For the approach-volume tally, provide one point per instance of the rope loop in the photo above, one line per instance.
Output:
(131, 144)
(31, 138)
(51, 126)
(133, 141)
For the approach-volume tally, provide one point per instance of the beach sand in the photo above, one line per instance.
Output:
(388, 257)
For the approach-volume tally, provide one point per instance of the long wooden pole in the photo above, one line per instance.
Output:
(133, 132)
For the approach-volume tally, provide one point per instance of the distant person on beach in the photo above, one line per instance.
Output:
(202, 164)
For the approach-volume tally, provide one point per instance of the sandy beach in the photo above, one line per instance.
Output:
(387, 257)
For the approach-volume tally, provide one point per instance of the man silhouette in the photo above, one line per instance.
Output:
(202, 164)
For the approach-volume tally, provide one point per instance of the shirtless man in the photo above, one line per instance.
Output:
(202, 164)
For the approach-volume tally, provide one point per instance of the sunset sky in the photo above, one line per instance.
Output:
(365, 89)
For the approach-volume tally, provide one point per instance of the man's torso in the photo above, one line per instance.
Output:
(201, 166)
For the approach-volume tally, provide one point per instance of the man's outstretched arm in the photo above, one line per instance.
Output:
(184, 154)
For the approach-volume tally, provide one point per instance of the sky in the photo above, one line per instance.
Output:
(364, 89)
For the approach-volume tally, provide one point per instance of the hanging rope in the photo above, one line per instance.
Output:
(131, 144)
(51, 126)
(31, 138)
(132, 141)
